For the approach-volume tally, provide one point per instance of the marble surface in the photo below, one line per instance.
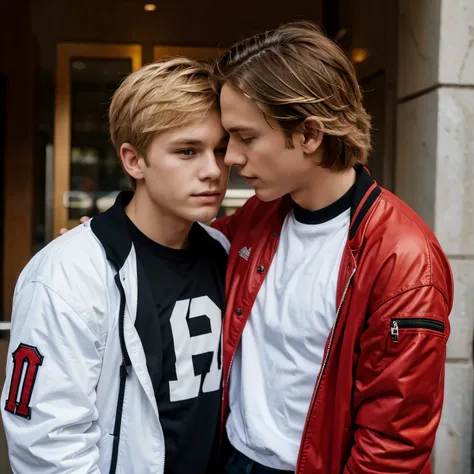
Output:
(436, 44)
(462, 315)
(456, 60)
(452, 453)
(454, 209)
(418, 45)
(415, 166)
(434, 170)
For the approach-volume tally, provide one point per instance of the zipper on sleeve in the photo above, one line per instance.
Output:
(413, 323)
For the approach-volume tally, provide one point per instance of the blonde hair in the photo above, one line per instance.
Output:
(295, 72)
(163, 95)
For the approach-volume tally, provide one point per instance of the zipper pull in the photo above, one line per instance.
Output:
(123, 370)
(394, 330)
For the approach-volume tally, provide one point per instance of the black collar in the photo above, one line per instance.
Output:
(365, 193)
(327, 213)
(111, 229)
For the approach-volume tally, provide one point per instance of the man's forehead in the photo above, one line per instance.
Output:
(237, 120)
(239, 113)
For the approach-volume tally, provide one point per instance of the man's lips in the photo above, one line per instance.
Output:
(247, 177)
(208, 197)
(208, 193)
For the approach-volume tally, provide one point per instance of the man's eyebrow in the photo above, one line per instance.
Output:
(239, 129)
(196, 141)
(186, 141)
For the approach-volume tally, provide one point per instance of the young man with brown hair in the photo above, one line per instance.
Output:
(338, 294)
(116, 329)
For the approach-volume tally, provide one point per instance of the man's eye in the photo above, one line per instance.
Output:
(187, 152)
(246, 141)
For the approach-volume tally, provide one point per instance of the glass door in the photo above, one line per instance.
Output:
(87, 172)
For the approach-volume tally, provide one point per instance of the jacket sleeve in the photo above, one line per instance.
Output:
(48, 400)
(399, 386)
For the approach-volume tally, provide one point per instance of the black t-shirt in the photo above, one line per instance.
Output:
(184, 335)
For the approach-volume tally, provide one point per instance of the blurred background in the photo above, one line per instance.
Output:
(60, 62)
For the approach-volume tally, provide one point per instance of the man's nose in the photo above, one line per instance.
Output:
(234, 155)
(210, 168)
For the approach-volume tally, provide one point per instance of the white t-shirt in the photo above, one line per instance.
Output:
(278, 360)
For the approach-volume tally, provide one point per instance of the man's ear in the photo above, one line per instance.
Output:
(311, 135)
(132, 161)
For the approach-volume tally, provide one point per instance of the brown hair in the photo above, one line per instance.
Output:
(294, 72)
(163, 95)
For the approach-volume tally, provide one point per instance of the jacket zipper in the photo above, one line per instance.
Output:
(323, 367)
(123, 377)
(226, 382)
(126, 362)
(413, 323)
(230, 368)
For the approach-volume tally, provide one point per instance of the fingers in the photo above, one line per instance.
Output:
(83, 220)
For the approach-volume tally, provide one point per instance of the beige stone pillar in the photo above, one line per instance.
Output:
(434, 173)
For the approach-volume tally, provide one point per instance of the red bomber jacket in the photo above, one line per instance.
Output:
(378, 398)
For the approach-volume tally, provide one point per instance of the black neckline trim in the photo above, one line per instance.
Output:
(326, 213)
(364, 183)
(155, 248)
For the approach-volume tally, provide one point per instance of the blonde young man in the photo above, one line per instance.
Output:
(115, 362)
(338, 293)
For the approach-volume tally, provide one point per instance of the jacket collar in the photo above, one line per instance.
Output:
(111, 229)
(365, 194)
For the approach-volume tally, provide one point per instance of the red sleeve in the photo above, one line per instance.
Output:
(399, 386)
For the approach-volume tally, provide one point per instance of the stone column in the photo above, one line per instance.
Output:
(434, 173)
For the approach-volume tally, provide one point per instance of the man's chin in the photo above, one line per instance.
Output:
(206, 216)
(266, 195)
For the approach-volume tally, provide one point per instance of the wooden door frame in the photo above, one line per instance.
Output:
(3, 120)
(62, 113)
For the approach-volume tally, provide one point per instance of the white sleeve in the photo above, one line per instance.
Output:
(48, 400)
